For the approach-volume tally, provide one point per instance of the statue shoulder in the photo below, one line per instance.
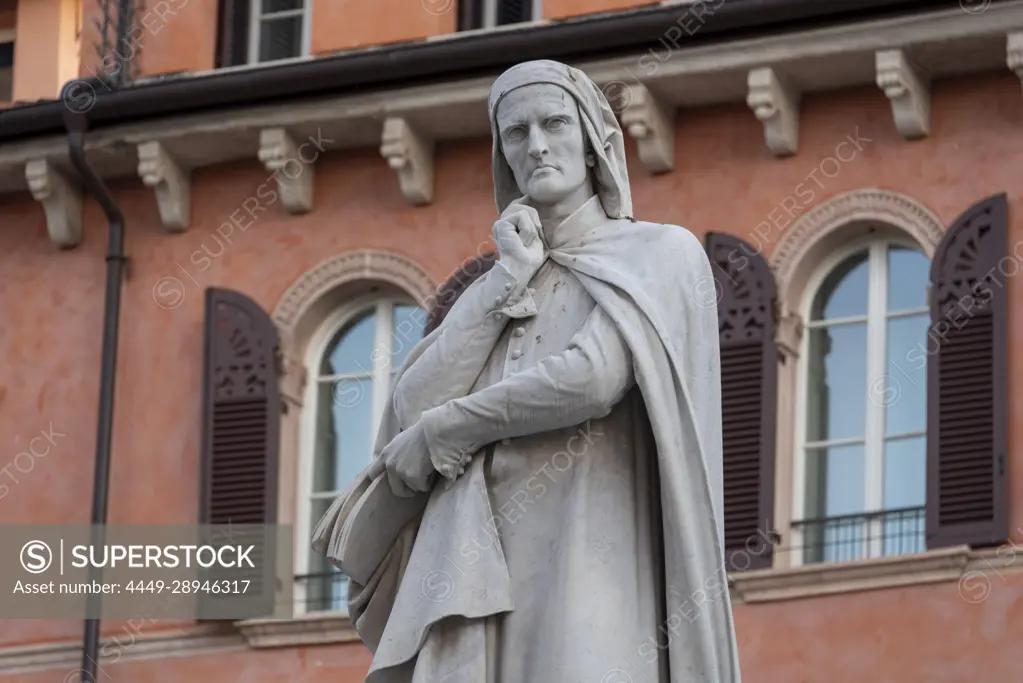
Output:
(673, 241)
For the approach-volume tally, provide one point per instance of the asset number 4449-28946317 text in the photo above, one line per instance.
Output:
(239, 587)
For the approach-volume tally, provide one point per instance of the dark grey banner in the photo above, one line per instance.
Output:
(149, 571)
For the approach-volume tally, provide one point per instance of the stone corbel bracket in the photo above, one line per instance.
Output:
(411, 155)
(776, 104)
(62, 202)
(788, 334)
(280, 156)
(171, 182)
(1014, 53)
(293, 379)
(652, 124)
(908, 87)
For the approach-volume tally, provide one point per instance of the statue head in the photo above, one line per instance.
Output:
(542, 140)
(555, 137)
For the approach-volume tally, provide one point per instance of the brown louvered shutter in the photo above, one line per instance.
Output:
(749, 370)
(233, 34)
(241, 412)
(966, 381)
(449, 292)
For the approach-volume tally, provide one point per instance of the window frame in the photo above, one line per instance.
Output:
(8, 35)
(488, 13)
(256, 16)
(874, 430)
(383, 340)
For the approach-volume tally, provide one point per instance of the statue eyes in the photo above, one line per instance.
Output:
(519, 133)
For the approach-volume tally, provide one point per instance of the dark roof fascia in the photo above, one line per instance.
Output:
(451, 58)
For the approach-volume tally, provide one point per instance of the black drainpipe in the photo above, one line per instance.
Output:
(76, 125)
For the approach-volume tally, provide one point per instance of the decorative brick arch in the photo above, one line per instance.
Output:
(829, 223)
(329, 284)
(832, 224)
(352, 266)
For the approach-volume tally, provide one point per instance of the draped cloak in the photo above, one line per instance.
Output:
(655, 284)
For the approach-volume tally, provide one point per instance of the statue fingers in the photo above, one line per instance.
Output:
(394, 482)
(527, 224)
(509, 237)
(519, 208)
(505, 234)
(397, 484)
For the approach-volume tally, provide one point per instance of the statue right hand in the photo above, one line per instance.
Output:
(517, 235)
(407, 462)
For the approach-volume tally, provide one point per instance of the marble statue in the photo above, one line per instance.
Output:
(552, 451)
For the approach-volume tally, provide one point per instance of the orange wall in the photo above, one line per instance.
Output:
(561, 9)
(177, 35)
(919, 634)
(169, 36)
(45, 48)
(347, 24)
(726, 180)
(181, 35)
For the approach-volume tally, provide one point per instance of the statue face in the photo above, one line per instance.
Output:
(543, 141)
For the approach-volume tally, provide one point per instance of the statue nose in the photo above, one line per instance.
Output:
(537, 143)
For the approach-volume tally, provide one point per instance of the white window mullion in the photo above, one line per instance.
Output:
(489, 13)
(307, 18)
(877, 333)
(255, 15)
(282, 14)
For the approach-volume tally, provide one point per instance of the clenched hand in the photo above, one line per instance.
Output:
(407, 462)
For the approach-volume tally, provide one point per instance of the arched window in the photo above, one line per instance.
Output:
(351, 365)
(861, 459)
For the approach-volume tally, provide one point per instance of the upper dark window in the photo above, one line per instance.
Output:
(254, 31)
(490, 13)
(6, 70)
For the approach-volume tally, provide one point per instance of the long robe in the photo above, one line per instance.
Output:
(569, 481)
(442, 607)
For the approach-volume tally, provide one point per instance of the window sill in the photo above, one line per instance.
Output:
(318, 628)
(968, 567)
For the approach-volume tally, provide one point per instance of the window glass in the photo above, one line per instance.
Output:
(280, 38)
(409, 322)
(905, 393)
(866, 364)
(350, 352)
(837, 375)
(353, 372)
(844, 292)
(905, 488)
(908, 276)
(343, 435)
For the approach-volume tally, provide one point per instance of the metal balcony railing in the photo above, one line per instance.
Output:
(321, 592)
(853, 537)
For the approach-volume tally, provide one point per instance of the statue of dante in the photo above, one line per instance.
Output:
(557, 438)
